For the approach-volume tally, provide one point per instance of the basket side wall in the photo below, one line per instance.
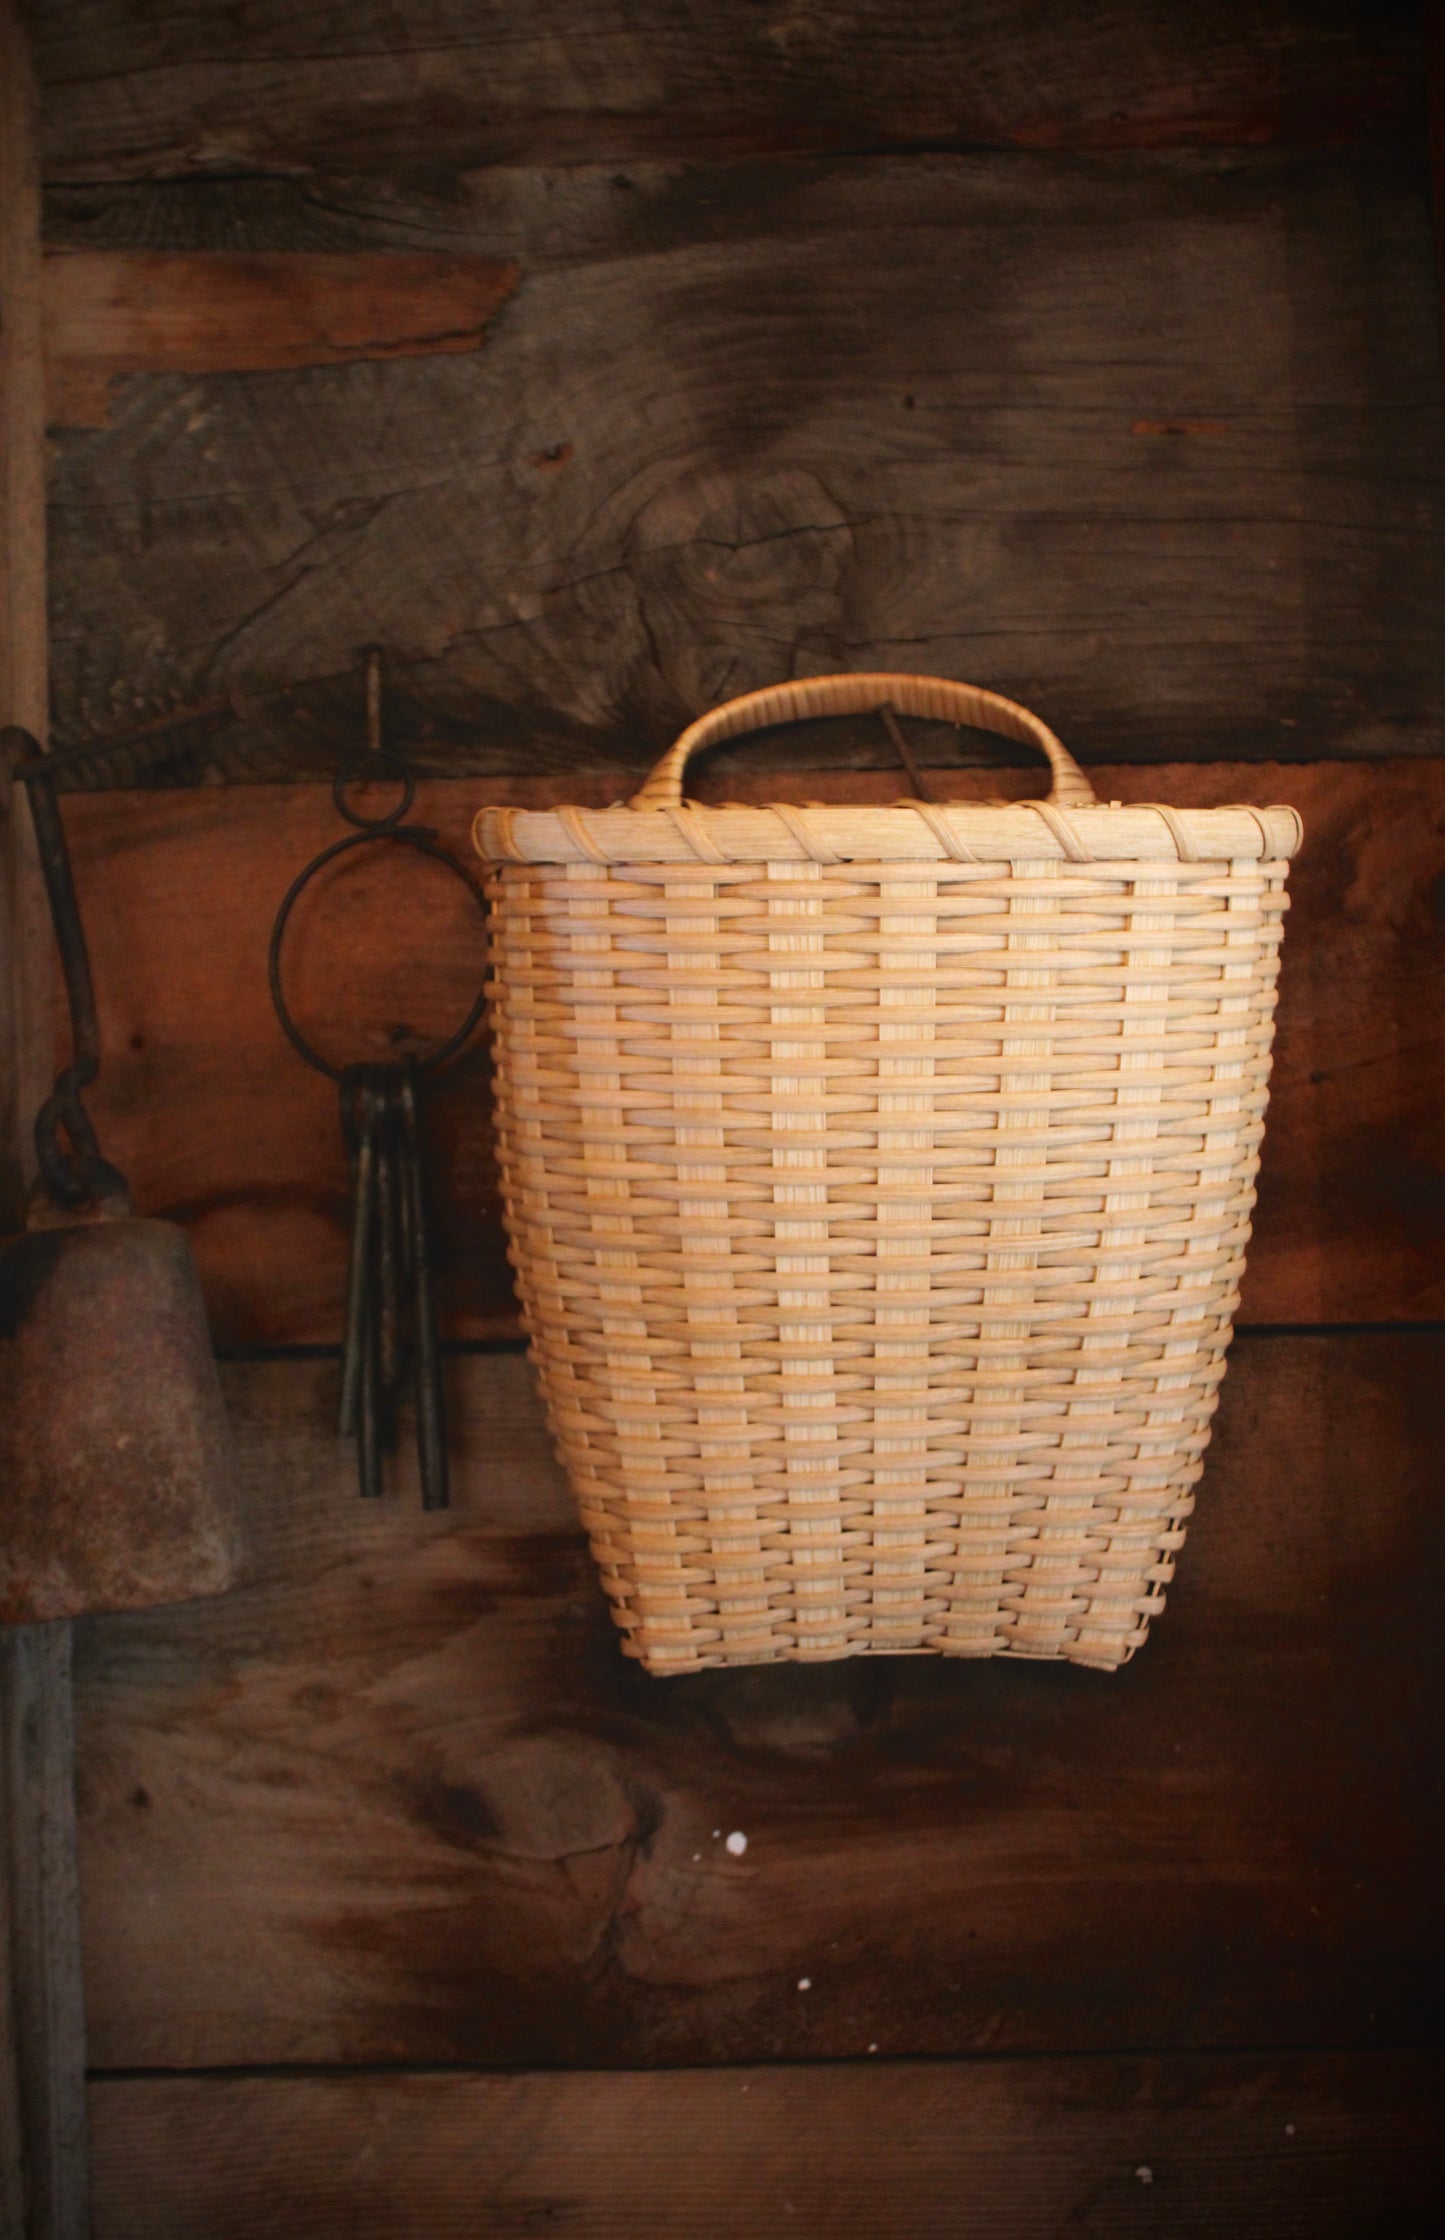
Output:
(879, 1229)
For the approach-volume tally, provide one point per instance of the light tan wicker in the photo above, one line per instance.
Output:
(878, 1183)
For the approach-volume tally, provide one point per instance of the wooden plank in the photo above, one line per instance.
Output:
(24, 653)
(1245, 2148)
(38, 1867)
(1155, 445)
(403, 1801)
(452, 84)
(113, 312)
(1433, 15)
(220, 1126)
(43, 2173)
(22, 455)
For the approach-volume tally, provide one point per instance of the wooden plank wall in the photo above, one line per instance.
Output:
(1114, 2148)
(968, 413)
(401, 1801)
(1087, 352)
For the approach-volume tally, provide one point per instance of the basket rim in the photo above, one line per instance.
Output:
(961, 832)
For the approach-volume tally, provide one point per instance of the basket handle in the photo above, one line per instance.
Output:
(864, 694)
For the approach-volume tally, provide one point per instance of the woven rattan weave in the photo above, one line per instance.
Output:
(878, 1183)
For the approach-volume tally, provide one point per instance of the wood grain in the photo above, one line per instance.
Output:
(1433, 24)
(399, 1801)
(166, 88)
(219, 1125)
(1153, 443)
(113, 312)
(1243, 2148)
(47, 2152)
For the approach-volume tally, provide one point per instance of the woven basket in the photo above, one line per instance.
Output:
(878, 1183)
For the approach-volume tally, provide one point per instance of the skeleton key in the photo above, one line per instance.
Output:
(431, 1440)
(356, 1126)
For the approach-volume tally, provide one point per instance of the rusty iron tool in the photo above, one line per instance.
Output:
(118, 1487)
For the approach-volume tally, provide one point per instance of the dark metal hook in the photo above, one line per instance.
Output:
(375, 755)
(388, 826)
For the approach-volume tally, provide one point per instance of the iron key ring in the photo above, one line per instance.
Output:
(424, 839)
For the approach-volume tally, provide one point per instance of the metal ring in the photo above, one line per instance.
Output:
(350, 774)
(424, 840)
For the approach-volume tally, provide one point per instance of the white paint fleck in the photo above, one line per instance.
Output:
(1144, 2174)
(716, 1833)
(1289, 2131)
(737, 1843)
(805, 1983)
(695, 1857)
(874, 2047)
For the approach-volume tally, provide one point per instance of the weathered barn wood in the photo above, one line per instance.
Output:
(1253, 2146)
(43, 2148)
(447, 84)
(403, 1801)
(219, 1125)
(1154, 441)
(1137, 416)
(113, 312)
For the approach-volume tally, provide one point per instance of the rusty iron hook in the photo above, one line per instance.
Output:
(80, 1175)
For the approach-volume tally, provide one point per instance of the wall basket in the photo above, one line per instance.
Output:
(878, 1183)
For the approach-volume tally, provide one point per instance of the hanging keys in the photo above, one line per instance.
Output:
(389, 1334)
(390, 1328)
(358, 1129)
(431, 1439)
